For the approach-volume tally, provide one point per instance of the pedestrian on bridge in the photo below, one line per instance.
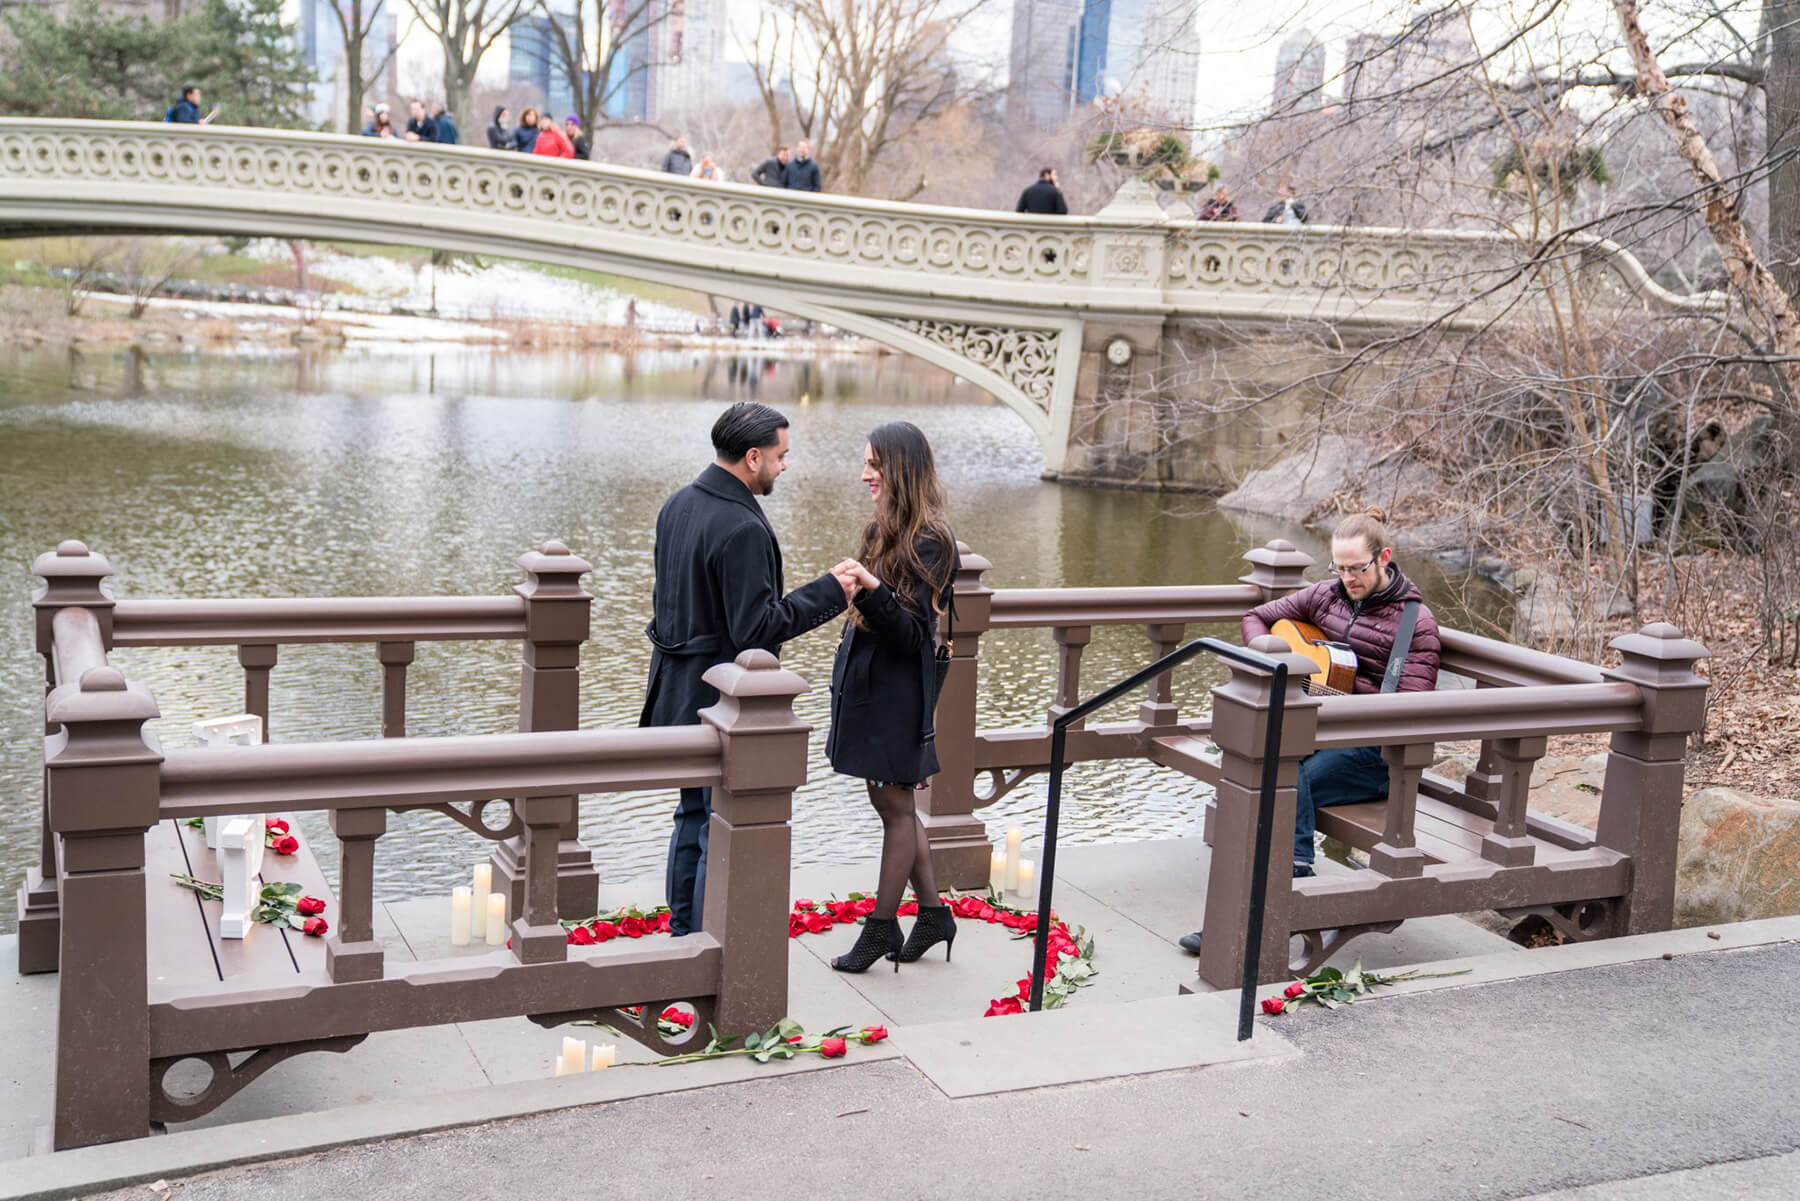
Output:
(1219, 206)
(884, 684)
(447, 133)
(525, 136)
(768, 173)
(186, 111)
(499, 137)
(572, 130)
(1286, 210)
(802, 174)
(719, 592)
(551, 141)
(1044, 197)
(679, 161)
(421, 128)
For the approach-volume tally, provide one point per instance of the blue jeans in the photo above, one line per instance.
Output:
(686, 880)
(1339, 776)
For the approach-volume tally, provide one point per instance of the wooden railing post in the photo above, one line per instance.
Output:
(1397, 854)
(1508, 844)
(1158, 710)
(354, 953)
(763, 759)
(1071, 641)
(71, 576)
(537, 935)
(395, 657)
(1277, 567)
(960, 851)
(1641, 797)
(103, 780)
(1240, 725)
(558, 615)
(258, 660)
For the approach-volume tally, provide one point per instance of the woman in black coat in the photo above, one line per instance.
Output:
(883, 683)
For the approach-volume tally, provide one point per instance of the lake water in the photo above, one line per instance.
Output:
(401, 471)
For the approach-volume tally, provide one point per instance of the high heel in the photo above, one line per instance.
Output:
(880, 936)
(936, 924)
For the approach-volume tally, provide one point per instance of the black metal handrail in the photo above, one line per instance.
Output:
(1265, 810)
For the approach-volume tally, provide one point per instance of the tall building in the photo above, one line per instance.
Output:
(687, 67)
(321, 38)
(1142, 50)
(1299, 72)
(1041, 75)
(627, 94)
(1378, 67)
(535, 59)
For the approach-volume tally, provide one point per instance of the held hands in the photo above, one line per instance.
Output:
(853, 577)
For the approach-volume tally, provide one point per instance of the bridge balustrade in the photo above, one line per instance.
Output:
(1433, 845)
(116, 804)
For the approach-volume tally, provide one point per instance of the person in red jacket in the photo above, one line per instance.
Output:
(1362, 604)
(551, 140)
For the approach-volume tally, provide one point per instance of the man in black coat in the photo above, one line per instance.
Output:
(802, 174)
(769, 172)
(719, 592)
(1044, 197)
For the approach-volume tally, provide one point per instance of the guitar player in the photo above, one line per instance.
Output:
(1369, 605)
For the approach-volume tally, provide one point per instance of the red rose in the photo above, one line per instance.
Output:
(817, 923)
(604, 931)
(872, 1034)
(1003, 1007)
(986, 912)
(581, 936)
(1025, 988)
(662, 922)
(1294, 990)
(1273, 1005)
(287, 844)
(831, 1048)
(796, 927)
(276, 827)
(678, 1017)
(909, 909)
(803, 903)
(633, 927)
(316, 926)
(307, 906)
(865, 907)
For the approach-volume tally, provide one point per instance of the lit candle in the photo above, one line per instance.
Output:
(496, 919)
(1026, 871)
(997, 872)
(603, 1056)
(1014, 836)
(574, 1057)
(459, 915)
(557, 1063)
(484, 883)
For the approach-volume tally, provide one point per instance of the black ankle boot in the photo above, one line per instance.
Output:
(936, 924)
(880, 936)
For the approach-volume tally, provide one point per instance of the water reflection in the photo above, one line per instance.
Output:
(395, 471)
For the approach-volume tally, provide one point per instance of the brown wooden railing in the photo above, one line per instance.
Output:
(109, 786)
(1434, 846)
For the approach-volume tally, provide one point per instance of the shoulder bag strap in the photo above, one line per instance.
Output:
(1409, 617)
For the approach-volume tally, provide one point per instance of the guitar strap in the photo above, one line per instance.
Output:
(1409, 617)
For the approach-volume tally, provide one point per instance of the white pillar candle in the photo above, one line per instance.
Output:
(603, 1056)
(574, 1057)
(496, 919)
(1026, 871)
(460, 910)
(557, 1063)
(997, 872)
(484, 884)
(1014, 836)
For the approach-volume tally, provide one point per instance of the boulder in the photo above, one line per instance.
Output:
(1303, 481)
(1739, 860)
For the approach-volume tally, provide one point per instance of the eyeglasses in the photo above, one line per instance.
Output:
(1350, 568)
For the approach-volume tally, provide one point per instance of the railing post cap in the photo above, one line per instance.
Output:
(1279, 552)
(755, 673)
(553, 558)
(101, 695)
(971, 562)
(1662, 642)
(102, 679)
(71, 560)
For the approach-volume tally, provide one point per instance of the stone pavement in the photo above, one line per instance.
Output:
(1128, 1048)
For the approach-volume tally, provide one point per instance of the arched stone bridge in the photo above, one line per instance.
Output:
(1024, 307)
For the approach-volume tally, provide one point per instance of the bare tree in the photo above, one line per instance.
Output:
(858, 80)
(363, 62)
(465, 31)
(78, 263)
(589, 44)
(146, 264)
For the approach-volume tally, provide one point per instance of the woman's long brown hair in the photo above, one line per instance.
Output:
(909, 511)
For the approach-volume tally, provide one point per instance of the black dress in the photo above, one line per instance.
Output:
(880, 728)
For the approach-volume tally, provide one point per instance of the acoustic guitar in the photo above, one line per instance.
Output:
(1335, 660)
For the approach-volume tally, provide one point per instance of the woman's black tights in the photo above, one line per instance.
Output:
(905, 854)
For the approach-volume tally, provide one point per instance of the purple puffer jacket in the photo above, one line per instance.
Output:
(1369, 628)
